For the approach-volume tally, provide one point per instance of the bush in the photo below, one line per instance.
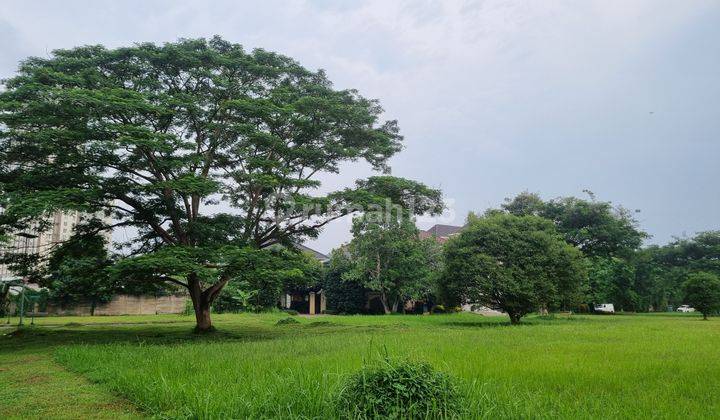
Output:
(290, 312)
(287, 321)
(398, 389)
(189, 308)
(344, 296)
(438, 309)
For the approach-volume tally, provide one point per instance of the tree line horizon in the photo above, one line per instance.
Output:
(153, 136)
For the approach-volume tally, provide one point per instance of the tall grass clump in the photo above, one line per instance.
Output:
(287, 321)
(398, 389)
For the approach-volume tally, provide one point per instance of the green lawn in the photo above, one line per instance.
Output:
(632, 366)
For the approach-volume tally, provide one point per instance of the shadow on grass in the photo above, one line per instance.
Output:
(530, 321)
(38, 338)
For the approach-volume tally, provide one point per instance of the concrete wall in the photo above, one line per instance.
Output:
(127, 305)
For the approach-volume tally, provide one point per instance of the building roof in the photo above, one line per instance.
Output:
(318, 255)
(443, 231)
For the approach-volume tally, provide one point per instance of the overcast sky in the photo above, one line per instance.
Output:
(493, 98)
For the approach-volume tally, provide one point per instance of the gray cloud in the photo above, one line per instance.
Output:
(620, 97)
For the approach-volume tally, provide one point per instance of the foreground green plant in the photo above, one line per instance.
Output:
(287, 321)
(398, 389)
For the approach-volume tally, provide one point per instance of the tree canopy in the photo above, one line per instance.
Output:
(597, 228)
(79, 270)
(260, 276)
(702, 291)
(389, 257)
(155, 136)
(518, 264)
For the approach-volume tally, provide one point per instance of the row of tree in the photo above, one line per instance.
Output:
(531, 254)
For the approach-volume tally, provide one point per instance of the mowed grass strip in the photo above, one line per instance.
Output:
(33, 386)
(581, 367)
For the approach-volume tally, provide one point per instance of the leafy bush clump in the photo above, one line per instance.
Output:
(399, 389)
(290, 312)
(287, 321)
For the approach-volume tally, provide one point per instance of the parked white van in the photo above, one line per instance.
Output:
(685, 308)
(606, 308)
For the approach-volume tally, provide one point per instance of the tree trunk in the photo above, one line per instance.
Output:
(395, 306)
(203, 323)
(4, 292)
(384, 301)
(514, 318)
(201, 305)
(705, 316)
(202, 301)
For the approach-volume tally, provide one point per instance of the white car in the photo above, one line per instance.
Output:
(685, 308)
(605, 308)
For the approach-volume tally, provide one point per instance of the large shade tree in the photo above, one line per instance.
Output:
(156, 135)
(608, 235)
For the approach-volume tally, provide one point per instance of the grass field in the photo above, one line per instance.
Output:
(631, 366)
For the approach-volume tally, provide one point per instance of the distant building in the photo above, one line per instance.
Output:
(310, 300)
(42, 243)
(441, 233)
(318, 255)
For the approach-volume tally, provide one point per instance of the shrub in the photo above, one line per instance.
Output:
(189, 309)
(287, 321)
(398, 389)
(343, 295)
(438, 309)
(290, 312)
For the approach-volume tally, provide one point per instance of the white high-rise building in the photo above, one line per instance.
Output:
(43, 243)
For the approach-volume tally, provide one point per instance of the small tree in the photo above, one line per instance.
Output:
(344, 295)
(516, 264)
(389, 257)
(702, 291)
(262, 275)
(78, 271)
(612, 280)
